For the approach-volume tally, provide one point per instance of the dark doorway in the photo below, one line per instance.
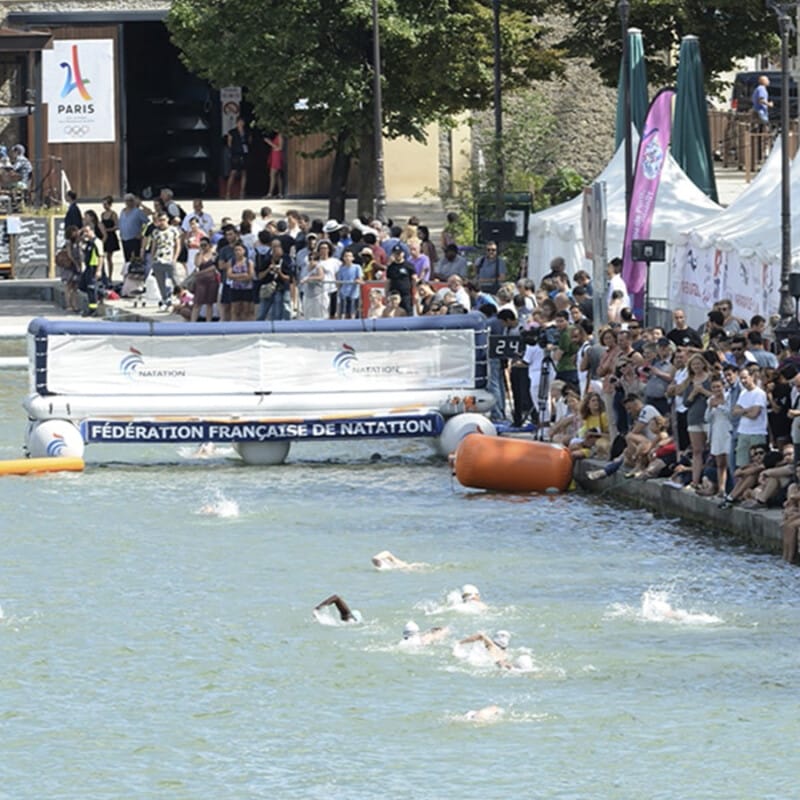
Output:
(172, 132)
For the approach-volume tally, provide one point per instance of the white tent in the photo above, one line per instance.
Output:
(558, 231)
(737, 255)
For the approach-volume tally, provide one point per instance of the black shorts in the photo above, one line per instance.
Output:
(241, 295)
(238, 163)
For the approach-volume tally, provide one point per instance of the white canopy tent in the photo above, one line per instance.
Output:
(737, 255)
(558, 231)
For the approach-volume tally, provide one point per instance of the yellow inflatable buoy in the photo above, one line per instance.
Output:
(512, 465)
(32, 466)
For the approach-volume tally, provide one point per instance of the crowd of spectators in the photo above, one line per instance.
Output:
(715, 410)
(274, 266)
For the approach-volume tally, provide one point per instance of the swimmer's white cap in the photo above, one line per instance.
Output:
(468, 590)
(501, 639)
(410, 629)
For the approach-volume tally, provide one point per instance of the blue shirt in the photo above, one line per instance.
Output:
(131, 223)
(760, 100)
(347, 276)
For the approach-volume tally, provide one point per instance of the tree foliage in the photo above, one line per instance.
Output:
(727, 31)
(437, 58)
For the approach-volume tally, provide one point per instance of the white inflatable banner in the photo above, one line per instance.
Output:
(400, 360)
(248, 364)
(143, 365)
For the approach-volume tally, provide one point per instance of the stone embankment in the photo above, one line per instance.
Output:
(753, 527)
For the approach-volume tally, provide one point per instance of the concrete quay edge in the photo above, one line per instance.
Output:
(756, 528)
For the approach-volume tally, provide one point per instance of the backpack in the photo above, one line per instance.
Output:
(179, 212)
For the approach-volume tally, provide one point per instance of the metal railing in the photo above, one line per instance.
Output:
(737, 144)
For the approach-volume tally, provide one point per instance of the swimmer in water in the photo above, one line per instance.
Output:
(471, 595)
(344, 610)
(523, 663)
(414, 637)
(485, 714)
(387, 560)
(496, 646)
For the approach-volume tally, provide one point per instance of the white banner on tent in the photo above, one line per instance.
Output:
(701, 277)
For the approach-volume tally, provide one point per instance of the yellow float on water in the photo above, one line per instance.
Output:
(32, 466)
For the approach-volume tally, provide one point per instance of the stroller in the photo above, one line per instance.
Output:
(134, 277)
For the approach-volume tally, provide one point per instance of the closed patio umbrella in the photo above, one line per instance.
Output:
(638, 78)
(691, 141)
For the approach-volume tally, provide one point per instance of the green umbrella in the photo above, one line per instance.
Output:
(638, 79)
(691, 142)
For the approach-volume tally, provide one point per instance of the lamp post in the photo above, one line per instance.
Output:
(624, 12)
(380, 178)
(498, 116)
(784, 27)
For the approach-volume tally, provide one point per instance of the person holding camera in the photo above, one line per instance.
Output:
(658, 375)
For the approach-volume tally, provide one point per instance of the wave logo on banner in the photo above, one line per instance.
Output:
(74, 79)
(344, 359)
(130, 364)
(56, 445)
(133, 368)
(653, 147)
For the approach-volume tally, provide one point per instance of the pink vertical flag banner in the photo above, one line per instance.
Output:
(653, 148)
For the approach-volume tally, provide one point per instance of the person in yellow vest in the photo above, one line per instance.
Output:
(92, 274)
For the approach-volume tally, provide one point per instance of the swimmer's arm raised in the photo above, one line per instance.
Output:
(478, 637)
(334, 600)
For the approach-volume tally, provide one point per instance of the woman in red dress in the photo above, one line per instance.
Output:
(275, 164)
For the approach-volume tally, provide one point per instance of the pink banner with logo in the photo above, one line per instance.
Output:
(653, 148)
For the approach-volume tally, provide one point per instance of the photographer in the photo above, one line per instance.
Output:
(541, 370)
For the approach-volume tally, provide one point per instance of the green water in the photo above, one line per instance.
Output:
(149, 650)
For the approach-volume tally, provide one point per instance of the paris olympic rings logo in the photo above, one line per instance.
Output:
(76, 130)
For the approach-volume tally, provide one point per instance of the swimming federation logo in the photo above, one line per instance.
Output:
(344, 359)
(346, 363)
(133, 367)
(130, 364)
(74, 80)
(56, 446)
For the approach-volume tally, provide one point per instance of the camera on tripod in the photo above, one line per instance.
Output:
(536, 336)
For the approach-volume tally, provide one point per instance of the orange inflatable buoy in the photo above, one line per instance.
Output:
(512, 465)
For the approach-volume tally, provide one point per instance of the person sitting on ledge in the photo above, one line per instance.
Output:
(746, 476)
(790, 524)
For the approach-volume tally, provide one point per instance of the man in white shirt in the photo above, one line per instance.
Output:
(204, 219)
(751, 409)
(616, 283)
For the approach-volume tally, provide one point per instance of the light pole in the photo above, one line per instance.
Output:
(624, 12)
(781, 10)
(380, 178)
(498, 116)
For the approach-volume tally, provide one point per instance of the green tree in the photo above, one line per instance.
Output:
(727, 31)
(437, 62)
